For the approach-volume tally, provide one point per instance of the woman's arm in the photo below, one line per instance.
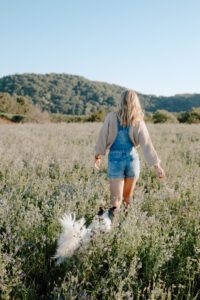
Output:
(101, 144)
(148, 150)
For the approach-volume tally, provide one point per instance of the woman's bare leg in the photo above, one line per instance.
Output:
(129, 185)
(116, 191)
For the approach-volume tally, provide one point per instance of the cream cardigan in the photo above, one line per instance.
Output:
(138, 135)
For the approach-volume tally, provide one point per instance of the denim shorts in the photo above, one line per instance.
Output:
(123, 164)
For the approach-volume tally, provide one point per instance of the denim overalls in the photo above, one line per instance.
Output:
(123, 159)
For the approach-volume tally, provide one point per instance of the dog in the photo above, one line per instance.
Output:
(75, 234)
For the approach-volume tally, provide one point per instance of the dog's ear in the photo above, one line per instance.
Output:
(101, 211)
(112, 212)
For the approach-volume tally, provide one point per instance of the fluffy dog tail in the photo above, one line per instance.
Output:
(71, 237)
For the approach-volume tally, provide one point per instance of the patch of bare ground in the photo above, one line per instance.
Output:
(4, 120)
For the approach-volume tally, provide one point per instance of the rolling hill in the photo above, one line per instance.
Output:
(75, 95)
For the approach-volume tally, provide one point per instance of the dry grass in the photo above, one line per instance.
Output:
(152, 253)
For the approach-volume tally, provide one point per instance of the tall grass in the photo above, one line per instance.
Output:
(153, 252)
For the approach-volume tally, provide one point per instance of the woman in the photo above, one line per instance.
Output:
(121, 133)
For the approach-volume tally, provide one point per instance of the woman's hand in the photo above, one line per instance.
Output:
(159, 171)
(97, 161)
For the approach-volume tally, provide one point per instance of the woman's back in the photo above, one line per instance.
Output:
(122, 141)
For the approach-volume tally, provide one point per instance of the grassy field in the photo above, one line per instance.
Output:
(152, 253)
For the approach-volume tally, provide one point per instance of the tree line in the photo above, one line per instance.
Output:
(19, 109)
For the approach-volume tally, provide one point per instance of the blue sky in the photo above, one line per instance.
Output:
(151, 46)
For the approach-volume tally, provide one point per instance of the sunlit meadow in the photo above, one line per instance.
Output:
(152, 252)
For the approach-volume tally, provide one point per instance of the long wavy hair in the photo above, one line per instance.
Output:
(129, 109)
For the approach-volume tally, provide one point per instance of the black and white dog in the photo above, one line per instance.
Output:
(75, 234)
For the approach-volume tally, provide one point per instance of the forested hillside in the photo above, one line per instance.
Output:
(75, 95)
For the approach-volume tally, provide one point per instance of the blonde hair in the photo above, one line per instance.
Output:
(130, 111)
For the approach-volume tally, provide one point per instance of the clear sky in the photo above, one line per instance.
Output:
(151, 46)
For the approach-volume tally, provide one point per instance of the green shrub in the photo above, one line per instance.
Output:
(163, 116)
(17, 118)
(192, 116)
(97, 116)
(21, 100)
